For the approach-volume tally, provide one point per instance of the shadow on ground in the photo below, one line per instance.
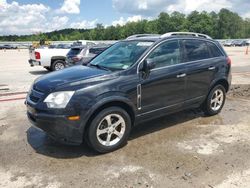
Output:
(44, 145)
(40, 72)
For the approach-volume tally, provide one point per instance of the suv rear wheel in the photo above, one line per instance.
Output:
(109, 130)
(58, 65)
(215, 101)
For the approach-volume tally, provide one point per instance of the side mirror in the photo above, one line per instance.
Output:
(150, 63)
(147, 65)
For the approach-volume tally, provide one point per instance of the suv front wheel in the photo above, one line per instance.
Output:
(109, 130)
(215, 101)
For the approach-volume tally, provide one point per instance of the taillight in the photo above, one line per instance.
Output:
(37, 55)
(229, 61)
(76, 59)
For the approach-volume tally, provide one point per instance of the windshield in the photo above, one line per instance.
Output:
(121, 55)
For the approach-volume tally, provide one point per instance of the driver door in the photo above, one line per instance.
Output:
(164, 87)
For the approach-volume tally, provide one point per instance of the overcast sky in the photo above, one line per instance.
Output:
(33, 16)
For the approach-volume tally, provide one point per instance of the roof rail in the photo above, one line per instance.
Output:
(142, 35)
(185, 33)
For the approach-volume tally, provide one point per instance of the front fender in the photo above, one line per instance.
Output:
(105, 99)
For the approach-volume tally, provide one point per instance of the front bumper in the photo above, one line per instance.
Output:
(34, 63)
(56, 126)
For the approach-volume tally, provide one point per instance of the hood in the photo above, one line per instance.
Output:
(52, 80)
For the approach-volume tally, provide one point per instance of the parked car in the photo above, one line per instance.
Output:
(240, 43)
(229, 43)
(131, 82)
(74, 55)
(63, 46)
(52, 59)
(8, 47)
(82, 55)
(248, 42)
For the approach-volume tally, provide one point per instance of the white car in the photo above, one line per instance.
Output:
(248, 42)
(51, 59)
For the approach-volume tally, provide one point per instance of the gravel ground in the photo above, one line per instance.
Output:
(185, 149)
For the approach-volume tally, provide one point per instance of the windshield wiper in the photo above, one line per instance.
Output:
(99, 67)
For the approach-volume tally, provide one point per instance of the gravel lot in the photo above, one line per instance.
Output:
(181, 150)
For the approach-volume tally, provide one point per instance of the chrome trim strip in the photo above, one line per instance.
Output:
(139, 96)
(186, 63)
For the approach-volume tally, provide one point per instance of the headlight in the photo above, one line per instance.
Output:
(59, 99)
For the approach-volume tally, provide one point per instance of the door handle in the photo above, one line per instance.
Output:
(211, 68)
(181, 75)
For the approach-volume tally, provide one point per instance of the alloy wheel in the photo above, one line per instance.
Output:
(111, 129)
(217, 100)
(59, 66)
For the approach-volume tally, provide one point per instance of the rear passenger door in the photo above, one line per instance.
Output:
(201, 65)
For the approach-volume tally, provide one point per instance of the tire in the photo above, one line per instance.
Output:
(58, 65)
(101, 130)
(215, 101)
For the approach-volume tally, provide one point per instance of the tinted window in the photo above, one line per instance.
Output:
(166, 54)
(96, 50)
(195, 50)
(74, 51)
(214, 50)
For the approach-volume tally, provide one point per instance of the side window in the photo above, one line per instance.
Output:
(195, 50)
(166, 54)
(214, 50)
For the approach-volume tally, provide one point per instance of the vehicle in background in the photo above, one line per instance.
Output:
(40, 43)
(92, 52)
(228, 43)
(7, 47)
(64, 46)
(75, 55)
(248, 42)
(82, 55)
(222, 42)
(240, 43)
(52, 46)
(52, 59)
(60, 46)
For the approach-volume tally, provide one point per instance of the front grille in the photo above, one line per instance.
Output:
(35, 95)
(34, 99)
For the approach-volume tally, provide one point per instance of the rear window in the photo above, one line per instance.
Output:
(74, 51)
(195, 50)
(214, 50)
(96, 50)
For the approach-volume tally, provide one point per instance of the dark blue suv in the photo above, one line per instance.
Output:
(135, 80)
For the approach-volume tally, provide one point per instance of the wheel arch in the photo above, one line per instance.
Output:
(222, 82)
(55, 58)
(116, 102)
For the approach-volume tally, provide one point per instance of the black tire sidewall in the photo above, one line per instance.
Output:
(91, 132)
(55, 62)
(207, 106)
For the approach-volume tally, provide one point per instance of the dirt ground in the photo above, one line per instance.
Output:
(185, 149)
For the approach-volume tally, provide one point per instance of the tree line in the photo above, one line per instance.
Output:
(222, 25)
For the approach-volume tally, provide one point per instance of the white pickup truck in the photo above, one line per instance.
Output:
(51, 59)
